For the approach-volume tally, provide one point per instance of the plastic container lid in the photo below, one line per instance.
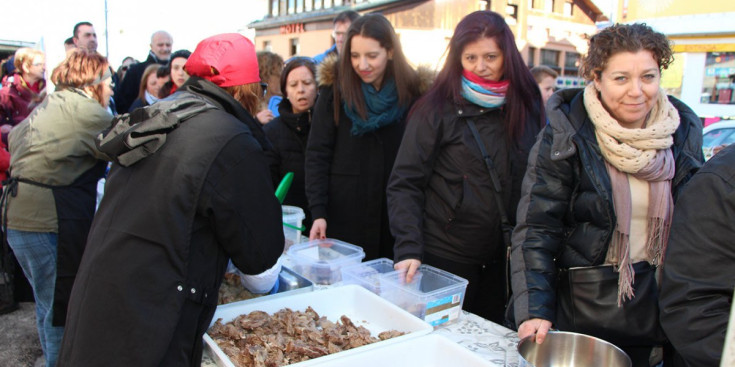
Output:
(321, 260)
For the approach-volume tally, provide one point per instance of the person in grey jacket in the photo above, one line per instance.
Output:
(603, 177)
(699, 275)
(50, 197)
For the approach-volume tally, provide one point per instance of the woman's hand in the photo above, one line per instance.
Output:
(411, 265)
(318, 229)
(540, 327)
(265, 116)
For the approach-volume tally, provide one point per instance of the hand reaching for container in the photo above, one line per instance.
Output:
(318, 230)
(540, 327)
(411, 265)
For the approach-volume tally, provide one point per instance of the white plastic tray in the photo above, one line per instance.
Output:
(427, 351)
(362, 306)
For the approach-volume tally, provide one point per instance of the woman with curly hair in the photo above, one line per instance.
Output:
(49, 202)
(599, 193)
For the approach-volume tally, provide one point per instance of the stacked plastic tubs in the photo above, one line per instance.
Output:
(434, 295)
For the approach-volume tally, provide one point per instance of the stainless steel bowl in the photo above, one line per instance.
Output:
(565, 349)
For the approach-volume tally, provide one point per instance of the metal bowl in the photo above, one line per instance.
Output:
(565, 349)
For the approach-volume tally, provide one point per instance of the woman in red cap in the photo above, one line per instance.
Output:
(189, 189)
(358, 124)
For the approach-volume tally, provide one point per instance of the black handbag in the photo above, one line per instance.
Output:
(587, 303)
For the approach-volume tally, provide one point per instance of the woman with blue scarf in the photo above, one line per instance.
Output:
(358, 122)
(442, 200)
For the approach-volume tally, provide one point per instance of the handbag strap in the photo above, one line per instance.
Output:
(505, 225)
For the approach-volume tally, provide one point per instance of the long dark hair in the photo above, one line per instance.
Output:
(377, 27)
(523, 96)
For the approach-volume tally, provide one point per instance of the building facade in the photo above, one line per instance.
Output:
(703, 38)
(549, 32)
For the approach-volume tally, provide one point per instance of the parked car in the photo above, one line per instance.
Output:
(719, 133)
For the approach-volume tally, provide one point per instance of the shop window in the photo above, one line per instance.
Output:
(568, 8)
(511, 10)
(718, 86)
(484, 5)
(531, 56)
(549, 6)
(294, 48)
(550, 58)
(267, 46)
(571, 64)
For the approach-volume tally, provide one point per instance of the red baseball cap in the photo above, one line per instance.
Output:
(226, 60)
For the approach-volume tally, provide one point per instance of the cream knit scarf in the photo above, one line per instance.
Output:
(646, 154)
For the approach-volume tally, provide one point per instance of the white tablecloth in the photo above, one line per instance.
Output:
(489, 340)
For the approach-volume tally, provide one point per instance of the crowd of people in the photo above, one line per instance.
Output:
(574, 209)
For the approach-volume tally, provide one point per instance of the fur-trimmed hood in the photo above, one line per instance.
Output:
(326, 74)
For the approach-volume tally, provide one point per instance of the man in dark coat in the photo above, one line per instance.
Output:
(127, 91)
(189, 190)
(699, 273)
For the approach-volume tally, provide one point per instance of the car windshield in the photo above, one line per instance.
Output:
(719, 136)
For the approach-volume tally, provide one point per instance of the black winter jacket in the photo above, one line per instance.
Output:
(147, 286)
(566, 217)
(699, 273)
(127, 91)
(346, 177)
(288, 133)
(440, 195)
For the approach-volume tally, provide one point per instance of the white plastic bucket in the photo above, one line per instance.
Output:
(293, 217)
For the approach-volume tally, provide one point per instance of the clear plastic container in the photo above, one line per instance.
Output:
(367, 274)
(437, 300)
(293, 218)
(321, 261)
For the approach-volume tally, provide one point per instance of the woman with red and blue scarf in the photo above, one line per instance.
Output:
(441, 201)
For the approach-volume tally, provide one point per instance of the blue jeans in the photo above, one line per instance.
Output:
(36, 253)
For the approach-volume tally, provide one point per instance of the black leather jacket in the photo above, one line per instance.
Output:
(566, 216)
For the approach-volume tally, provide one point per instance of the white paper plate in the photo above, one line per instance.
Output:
(362, 307)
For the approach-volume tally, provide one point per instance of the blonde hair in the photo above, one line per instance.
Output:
(81, 69)
(24, 57)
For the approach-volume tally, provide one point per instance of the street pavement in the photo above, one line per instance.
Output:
(19, 345)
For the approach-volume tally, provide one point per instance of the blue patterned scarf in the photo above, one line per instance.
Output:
(382, 107)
